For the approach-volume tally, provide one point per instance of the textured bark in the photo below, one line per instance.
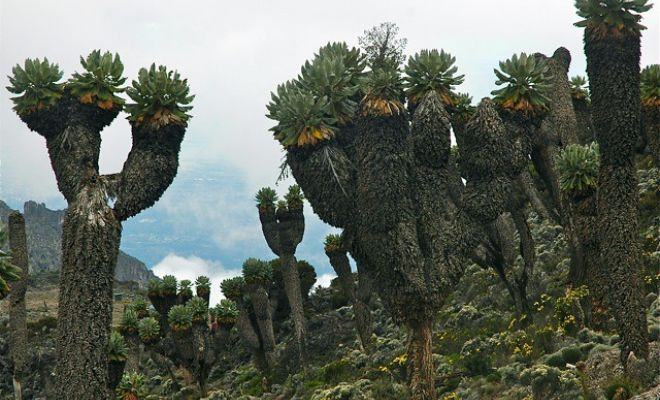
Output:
(613, 69)
(134, 351)
(342, 267)
(261, 307)
(293, 294)
(651, 129)
(421, 375)
(249, 336)
(91, 229)
(529, 258)
(585, 128)
(17, 320)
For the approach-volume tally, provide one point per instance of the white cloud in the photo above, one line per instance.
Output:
(192, 267)
(325, 279)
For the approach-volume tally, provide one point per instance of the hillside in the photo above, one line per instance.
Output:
(44, 236)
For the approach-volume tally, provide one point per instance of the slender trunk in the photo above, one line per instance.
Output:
(292, 288)
(133, 360)
(421, 375)
(261, 307)
(90, 245)
(249, 336)
(613, 69)
(17, 321)
(585, 129)
(529, 257)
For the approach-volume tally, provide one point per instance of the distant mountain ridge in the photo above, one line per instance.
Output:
(44, 235)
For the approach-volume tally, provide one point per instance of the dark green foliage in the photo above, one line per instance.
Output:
(203, 282)
(129, 321)
(620, 389)
(233, 288)
(149, 330)
(613, 15)
(649, 85)
(282, 206)
(117, 349)
(155, 287)
(382, 46)
(571, 354)
(302, 117)
(8, 271)
(161, 97)
(257, 272)
(131, 386)
(333, 73)
(169, 285)
(383, 92)
(36, 84)
(198, 308)
(185, 288)
(527, 80)
(556, 360)
(332, 243)
(294, 198)
(226, 312)
(577, 166)
(579, 88)
(430, 70)
(180, 318)
(266, 198)
(101, 80)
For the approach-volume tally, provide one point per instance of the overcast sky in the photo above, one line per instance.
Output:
(235, 53)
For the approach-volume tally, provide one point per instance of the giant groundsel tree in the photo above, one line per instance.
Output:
(405, 211)
(70, 116)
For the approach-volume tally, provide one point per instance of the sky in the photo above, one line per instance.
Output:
(234, 54)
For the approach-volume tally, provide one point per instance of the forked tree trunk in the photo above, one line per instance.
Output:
(261, 307)
(17, 321)
(421, 374)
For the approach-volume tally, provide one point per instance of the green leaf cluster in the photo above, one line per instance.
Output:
(180, 317)
(266, 198)
(8, 271)
(334, 73)
(606, 15)
(332, 243)
(117, 349)
(294, 198)
(226, 312)
(129, 321)
(198, 308)
(169, 286)
(141, 307)
(154, 287)
(149, 329)
(101, 80)
(203, 282)
(430, 70)
(131, 386)
(302, 117)
(36, 85)
(579, 88)
(383, 92)
(649, 86)
(185, 288)
(463, 105)
(578, 169)
(233, 288)
(527, 82)
(161, 97)
(257, 271)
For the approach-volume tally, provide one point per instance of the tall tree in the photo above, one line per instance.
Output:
(70, 117)
(383, 46)
(17, 322)
(283, 226)
(388, 183)
(612, 46)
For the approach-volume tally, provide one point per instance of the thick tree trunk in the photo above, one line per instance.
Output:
(421, 374)
(292, 287)
(133, 359)
(249, 336)
(90, 245)
(585, 128)
(613, 69)
(17, 321)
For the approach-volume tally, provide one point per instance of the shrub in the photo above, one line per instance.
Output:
(198, 309)
(620, 389)
(180, 318)
(571, 354)
(149, 330)
(117, 349)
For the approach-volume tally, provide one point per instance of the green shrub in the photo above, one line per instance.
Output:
(131, 386)
(226, 312)
(571, 354)
(233, 288)
(129, 321)
(141, 307)
(117, 349)
(180, 318)
(556, 360)
(149, 330)
(257, 272)
(620, 389)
